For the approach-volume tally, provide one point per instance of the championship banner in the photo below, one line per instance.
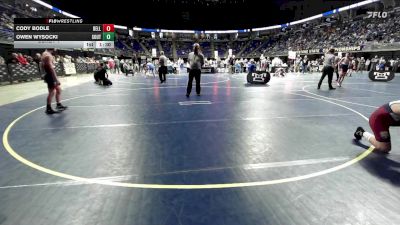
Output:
(315, 51)
(69, 68)
(292, 55)
(337, 49)
(381, 75)
(154, 52)
(302, 52)
(347, 49)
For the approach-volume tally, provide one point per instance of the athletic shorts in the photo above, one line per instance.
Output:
(344, 68)
(163, 69)
(380, 121)
(50, 81)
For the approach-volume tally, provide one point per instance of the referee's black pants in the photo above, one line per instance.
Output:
(162, 71)
(327, 70)
(194, 73)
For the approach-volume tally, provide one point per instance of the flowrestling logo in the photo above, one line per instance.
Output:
(380, 15)
(381, 75)
(258, 77)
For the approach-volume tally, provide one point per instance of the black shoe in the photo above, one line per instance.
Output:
(332, 88)
(359, 133)
(60, 107)
(50, 111)
(318, 87)
(187, 95)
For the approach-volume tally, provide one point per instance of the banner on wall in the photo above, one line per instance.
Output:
(322, 50)
(292, 55)
(154, 52)
(69, 68)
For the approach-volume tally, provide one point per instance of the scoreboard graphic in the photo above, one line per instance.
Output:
(61, 33)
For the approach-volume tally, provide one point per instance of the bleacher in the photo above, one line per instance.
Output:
(251, 47)
(12, 73)
(222, 48)
(167, 48)
(206, 49)
(183, 48)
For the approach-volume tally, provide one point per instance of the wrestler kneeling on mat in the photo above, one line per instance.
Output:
(386, 116)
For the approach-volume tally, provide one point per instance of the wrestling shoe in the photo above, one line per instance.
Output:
(359, 133)
(50, 111)
(60, 107)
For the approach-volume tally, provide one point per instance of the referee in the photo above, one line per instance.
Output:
(329, 62)
(162, 70)
(196, 61)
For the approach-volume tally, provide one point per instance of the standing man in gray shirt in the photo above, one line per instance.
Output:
(329, 62)
(196, 61)
(117, 65)
(162, 70)
(374, 61)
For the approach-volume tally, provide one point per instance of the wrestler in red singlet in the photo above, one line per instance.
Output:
(380, 121)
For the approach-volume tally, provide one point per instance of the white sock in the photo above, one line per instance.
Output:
(367, 135)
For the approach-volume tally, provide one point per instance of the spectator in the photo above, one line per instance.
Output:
(396, 65)
(29, 59)
(367, 63)
(361, 65)
(111, 64)
(304, 64)
(13, 59)
(21, 59)
(37, 58)
(117, 65)
(382, 63)
(374, 62)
